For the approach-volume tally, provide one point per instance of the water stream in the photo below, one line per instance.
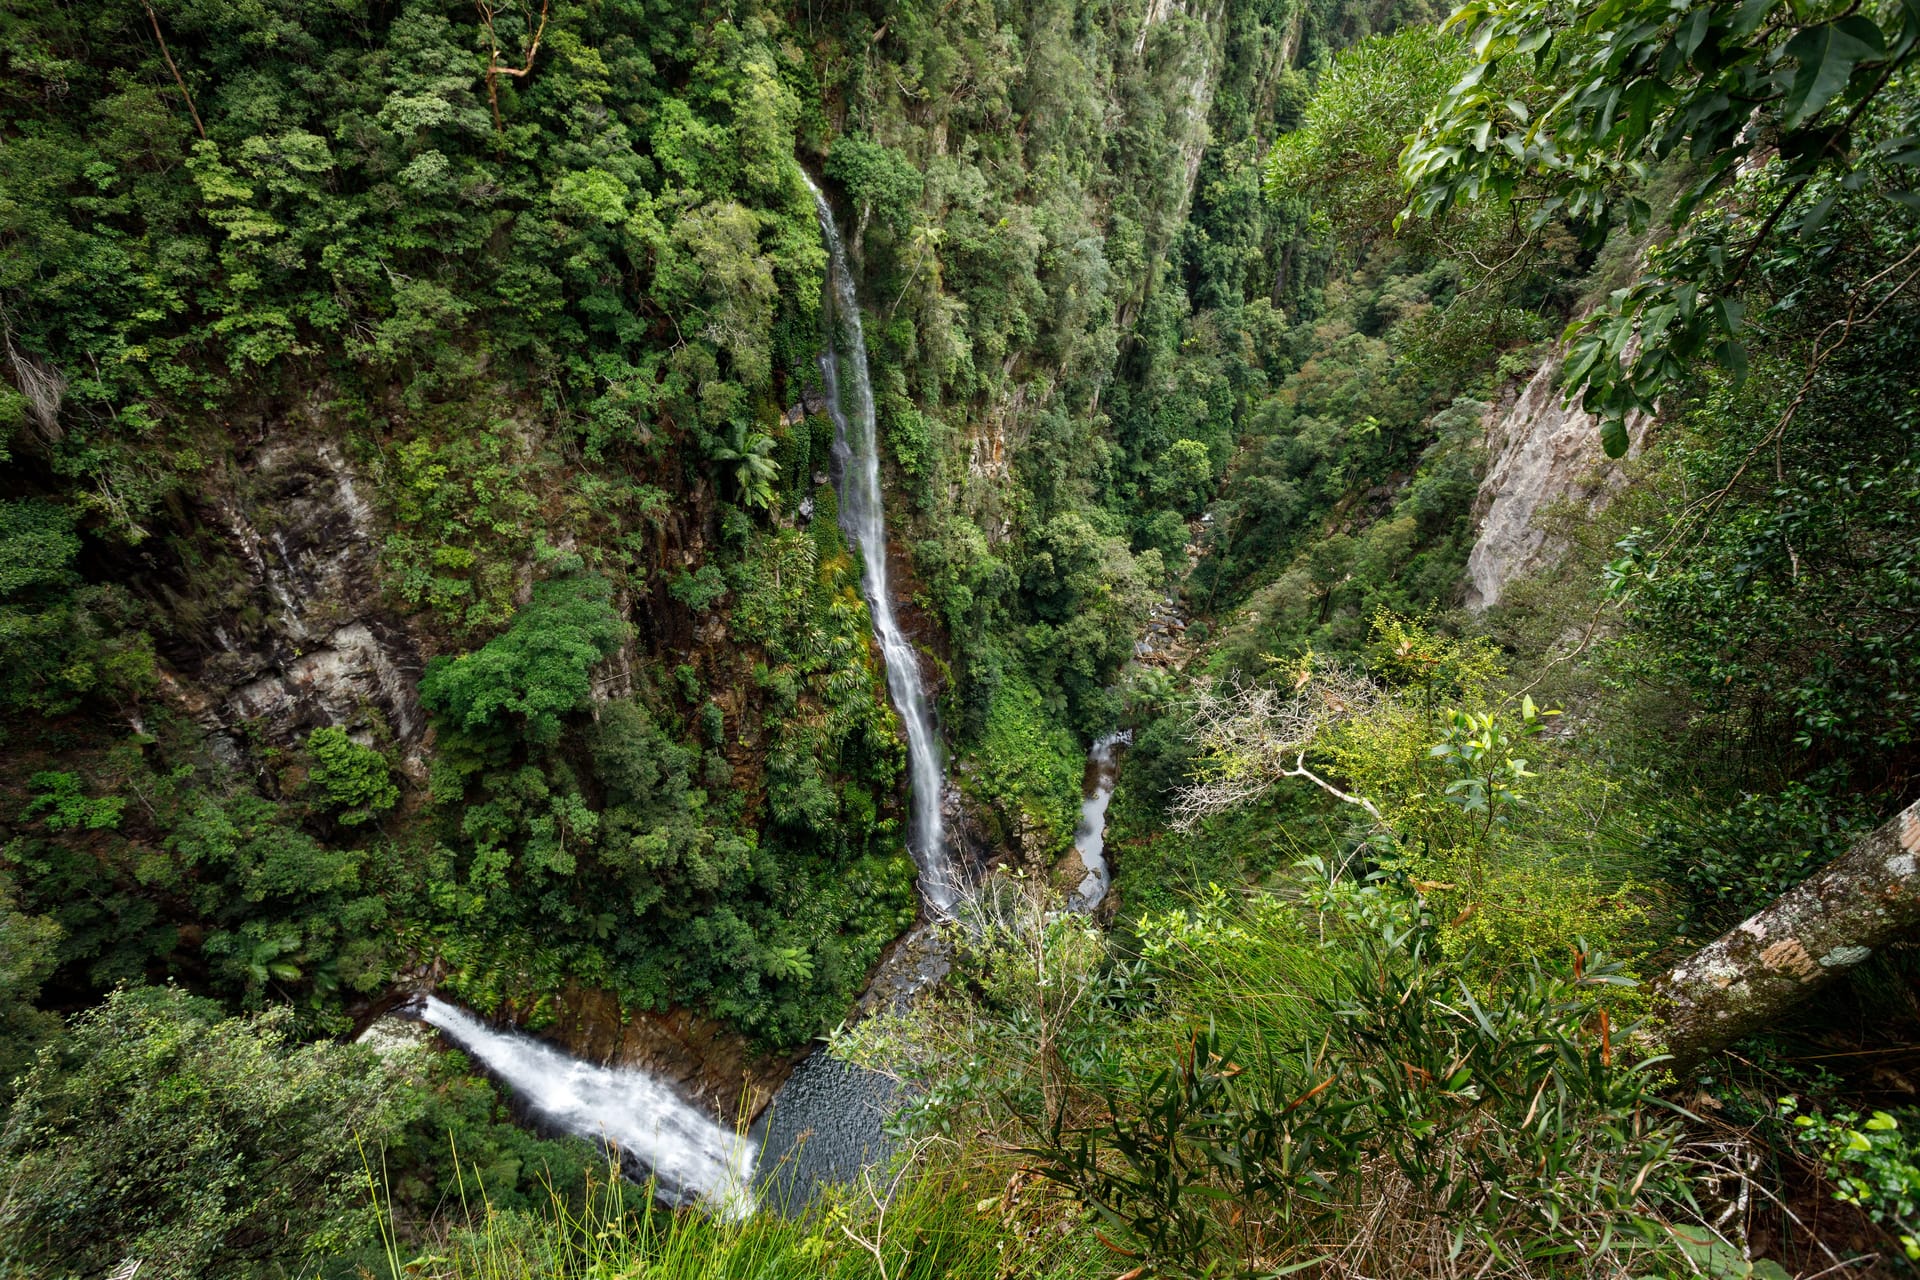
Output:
(695, 1159)
(856, 456)
(1090, 837)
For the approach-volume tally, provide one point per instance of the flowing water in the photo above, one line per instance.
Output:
(827, 1122)
(1090, 837)
(695, 1159)
(856, 456)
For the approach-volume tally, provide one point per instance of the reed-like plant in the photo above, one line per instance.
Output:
(914, 1220)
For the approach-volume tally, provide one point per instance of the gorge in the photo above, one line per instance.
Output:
(693, 1158)
(985, 639)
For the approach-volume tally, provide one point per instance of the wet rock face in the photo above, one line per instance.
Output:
(288, 634)
(1540, 451)
(912, 966)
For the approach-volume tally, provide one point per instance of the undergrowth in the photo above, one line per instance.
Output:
(915, 1221)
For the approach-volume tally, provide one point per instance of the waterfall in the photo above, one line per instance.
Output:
(694, 1158)
(1090, 837)
(856, 455)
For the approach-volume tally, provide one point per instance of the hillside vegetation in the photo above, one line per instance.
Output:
(419, 569)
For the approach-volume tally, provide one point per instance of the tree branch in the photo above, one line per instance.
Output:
(495, 69)
(178, 79)
(1780, 955)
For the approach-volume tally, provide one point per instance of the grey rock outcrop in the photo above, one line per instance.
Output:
(289, 630)
(1540, 451)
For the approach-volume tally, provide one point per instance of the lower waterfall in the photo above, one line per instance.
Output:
(1090, 837)
(695, 1159)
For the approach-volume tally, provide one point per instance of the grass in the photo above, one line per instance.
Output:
(914, 1221)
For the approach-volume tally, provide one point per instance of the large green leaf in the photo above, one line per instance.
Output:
(1827, 55)
(1613, 437)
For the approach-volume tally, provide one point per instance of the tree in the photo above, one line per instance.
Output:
(29, 950)
(353, 780)
(200, 1146)
(1569, 109)
(1183, 476)
(879, 180)
(538, 670)
(1365, 103)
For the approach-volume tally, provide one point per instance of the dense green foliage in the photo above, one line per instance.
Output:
(618, 855)
(1615, 90)
(162, 1132)
(355, 780)
(339, 204)
(576, 689)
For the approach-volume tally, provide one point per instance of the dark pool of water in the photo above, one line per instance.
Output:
(825, 1125)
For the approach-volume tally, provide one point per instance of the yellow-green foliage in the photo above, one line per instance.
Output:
(1252, 968)
(463, 516)
(1524, 854)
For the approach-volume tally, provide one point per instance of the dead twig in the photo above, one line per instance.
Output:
(1253, 735)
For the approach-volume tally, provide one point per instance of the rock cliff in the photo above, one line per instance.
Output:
(279, 621)
(1540, 451)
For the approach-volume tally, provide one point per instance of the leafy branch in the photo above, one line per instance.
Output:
(1574, 113)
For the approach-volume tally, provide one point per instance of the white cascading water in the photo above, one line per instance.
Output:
(1090, 837)
(695, 1159)
(863, 518)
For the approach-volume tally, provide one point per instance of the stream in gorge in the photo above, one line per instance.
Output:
(828, 1120)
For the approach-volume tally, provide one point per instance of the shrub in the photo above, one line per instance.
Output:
(1410, 1118)
(1030, 768)
(203, 1147)
(61, 797)
(353, 780)
(538, 670)
(1873, 1164)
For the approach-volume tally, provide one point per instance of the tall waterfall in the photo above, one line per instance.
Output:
(856, 456)
(695, 1159)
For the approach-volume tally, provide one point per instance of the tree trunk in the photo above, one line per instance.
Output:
(1750, 975)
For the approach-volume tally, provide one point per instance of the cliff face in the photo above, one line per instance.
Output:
(280, 624)
(1541, 451)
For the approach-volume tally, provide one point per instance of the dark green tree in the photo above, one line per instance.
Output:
(526, 680)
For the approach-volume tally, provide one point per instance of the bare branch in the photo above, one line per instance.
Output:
(496, 68)
(43, 385)
(177, 78)
(1252, 735)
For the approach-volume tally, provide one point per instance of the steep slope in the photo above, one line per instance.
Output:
(338, 355)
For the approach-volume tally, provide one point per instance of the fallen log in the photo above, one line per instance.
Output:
(1802, 940)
